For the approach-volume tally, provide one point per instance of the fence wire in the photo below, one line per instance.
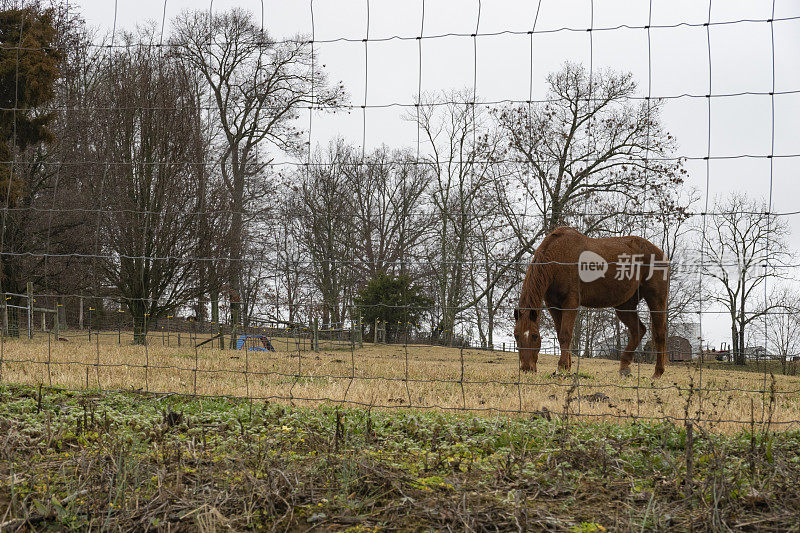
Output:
(287, 348)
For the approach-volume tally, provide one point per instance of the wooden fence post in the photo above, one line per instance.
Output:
(80, 312)
(55, 321)
(30, 309)
(5, 316)
(315, 335)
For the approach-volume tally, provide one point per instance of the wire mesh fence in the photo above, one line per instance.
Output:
(308, 365)
(185, 233)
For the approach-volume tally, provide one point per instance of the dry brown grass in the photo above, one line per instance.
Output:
(375, 376)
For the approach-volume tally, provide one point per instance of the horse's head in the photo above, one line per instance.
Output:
(526, 332)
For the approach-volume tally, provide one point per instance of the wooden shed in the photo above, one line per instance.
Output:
(679, 348)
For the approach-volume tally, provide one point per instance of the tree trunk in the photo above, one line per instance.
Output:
(236, 318)
(490, 329)
(200, 311)
(237, 245)
(448, 324)
(741, 329)
(737, 349)
(139, 328)
(742, 346)
(216, 327)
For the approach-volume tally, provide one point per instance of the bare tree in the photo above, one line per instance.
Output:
(491, 248)
(386, 204)
(670, 229)
(258, 86)
(290, 276)
(145, 128)
(781, 327)
(62, 211)
(581, 157)
(325, 228)
(458, 155)
(587, 149)
(588, 141)
(742, 247)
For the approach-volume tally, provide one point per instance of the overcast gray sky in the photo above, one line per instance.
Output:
(741, 61)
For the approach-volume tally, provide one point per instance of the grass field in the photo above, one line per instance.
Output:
(722, 400)
(93, 460)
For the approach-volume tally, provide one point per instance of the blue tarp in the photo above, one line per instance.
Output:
(266, 346)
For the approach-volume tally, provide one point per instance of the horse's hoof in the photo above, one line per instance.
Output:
(625, 372)
(657, 375)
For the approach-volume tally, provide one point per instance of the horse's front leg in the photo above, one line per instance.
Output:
(569, 312)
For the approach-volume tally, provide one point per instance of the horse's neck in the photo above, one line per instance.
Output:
(537, 281)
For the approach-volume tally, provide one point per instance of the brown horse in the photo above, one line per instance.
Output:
(570, 270)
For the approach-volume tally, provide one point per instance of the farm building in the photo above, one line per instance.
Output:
(679, 348)
(683, 342)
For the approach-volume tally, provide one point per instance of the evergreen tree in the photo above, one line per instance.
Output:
(29, 68)
(394, 300)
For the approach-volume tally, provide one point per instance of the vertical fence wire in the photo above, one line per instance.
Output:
(705, 208)
(771, 160)
(336, 334)
(580, 316)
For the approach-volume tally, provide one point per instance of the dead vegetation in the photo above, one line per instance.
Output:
(423, 377)
(134, 462)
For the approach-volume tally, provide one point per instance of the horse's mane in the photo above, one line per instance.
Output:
(538, 277)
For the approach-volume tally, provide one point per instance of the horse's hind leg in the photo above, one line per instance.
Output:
(636, 331)
(658, 320)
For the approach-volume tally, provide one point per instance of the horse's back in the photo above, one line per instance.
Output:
(630, 262)
(568, 243)
(629, 245)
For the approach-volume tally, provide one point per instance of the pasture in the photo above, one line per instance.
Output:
(107, 435)
(410, 377)
(91, 460)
